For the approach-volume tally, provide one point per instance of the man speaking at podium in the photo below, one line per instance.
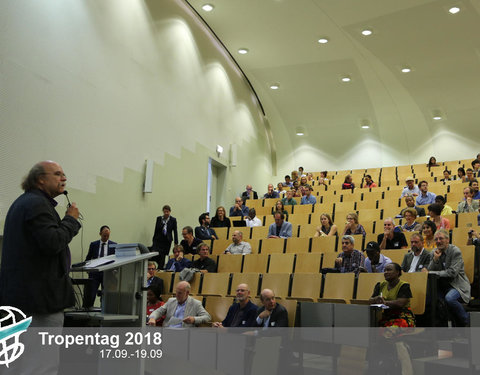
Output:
(34, 274)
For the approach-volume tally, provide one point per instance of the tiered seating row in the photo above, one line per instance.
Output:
(332, 287)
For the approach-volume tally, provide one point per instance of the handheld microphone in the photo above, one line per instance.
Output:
(68, 200)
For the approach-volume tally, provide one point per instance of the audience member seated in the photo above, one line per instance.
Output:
(410, 202)
(375, 262)
(249, 193)
(242, 313)
(294, 175)
(425, 197)
(461, 174)
(296, 189)
(289, 201)
(474, 185)
(308, 198)
(410, 214)
(446, 209)
(411, 188)
(473, 238)
(348, 183)
(327, 228)
(301, 171)
(220, 220)
(395, 294)
(154, 301)
(279, 207)
(453, 285)
(417, 258)
(349, 260)
(178, 262)
(391, 239)
(181, 311)
(239, 209)
(271, 193)
(252, 220)
(303, 187)
(204, 263)
(470, 176)
(271, 314)
(468, 204)
(280, 228)
(288, 181)
(432, 162)
(281, 192)
(323, 180)
(310, 179)
(238, 246)
(434, 211)
(428, 231)
(204, 232)
(447, 176)
(352, 226)
(476, 166)
(189, 243)
(368, 182)
(151, 278)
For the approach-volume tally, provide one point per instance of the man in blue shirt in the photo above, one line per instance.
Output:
(375, 262)
(239, 209)
(308, 198)
(425, 197)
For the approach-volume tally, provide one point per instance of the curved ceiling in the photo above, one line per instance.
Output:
(441, 49)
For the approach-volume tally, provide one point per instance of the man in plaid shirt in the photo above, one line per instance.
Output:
(350, 260)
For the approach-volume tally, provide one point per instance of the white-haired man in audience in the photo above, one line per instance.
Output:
(418, 258)
(411, 188)
(271, 314)
(271, 193)
(391, 239)
(349, 260)
(453, 286)
(238, 246)
(242, 313)
(181, 310)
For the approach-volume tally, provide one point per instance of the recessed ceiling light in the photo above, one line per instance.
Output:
(275, 86)
(367, 32)
(406, 70)
(243, 51)
(365, 126)
(300, 134)
(207, 7)
(454, 10)
(346, 79)
(437, 117)
(300, 130)
(323, 40)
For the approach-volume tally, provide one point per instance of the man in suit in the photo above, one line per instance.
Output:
(34, 274)
(249, 193)
(242, 313)
(153, 280)
(165, 233)
(453, 284)
(271, 314)
(98, 249)
(204, 232)
(417, 259)
(281, 228)
(182, 310)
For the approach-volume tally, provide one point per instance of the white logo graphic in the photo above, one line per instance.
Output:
(10, 346)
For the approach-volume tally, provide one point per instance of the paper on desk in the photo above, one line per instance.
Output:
(94, 263)
(381, 305)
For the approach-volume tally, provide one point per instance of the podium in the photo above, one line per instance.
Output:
(124, 301)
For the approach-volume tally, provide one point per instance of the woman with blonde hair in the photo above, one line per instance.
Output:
(327, 228)
(352, 226)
